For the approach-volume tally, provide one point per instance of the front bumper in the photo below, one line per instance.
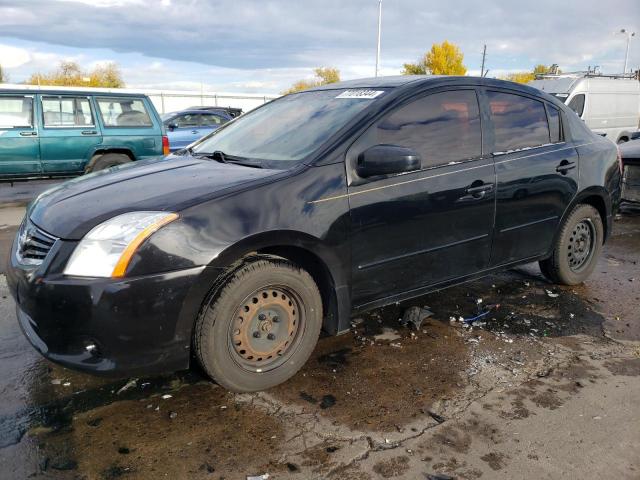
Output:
(112, 327)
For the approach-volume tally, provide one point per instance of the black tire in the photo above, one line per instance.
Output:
(577, 247)
(263, 291)
(107, 160)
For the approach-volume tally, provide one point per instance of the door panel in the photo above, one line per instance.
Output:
(69, 135)
(417, 229)
(531, 198)
(19, 142)
(535, 184)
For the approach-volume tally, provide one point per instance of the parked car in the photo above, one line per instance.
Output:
(609, 104)
(630, 153)
(46, 133)
(335, 200)
(231, 111)
(187, 126)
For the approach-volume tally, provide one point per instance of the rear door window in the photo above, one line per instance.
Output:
(577, 104)
(66, 111)
(123, 112)
(441, 127)
(518, 122)
(16, 111)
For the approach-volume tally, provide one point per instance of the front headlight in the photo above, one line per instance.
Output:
(107, 249)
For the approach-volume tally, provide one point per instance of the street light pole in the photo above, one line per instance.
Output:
(626, 53)
(379, 32)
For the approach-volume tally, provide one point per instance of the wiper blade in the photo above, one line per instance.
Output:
(224, 158)
(219, 156)
(246, 163)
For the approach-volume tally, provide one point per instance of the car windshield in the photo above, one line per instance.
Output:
(289, 128)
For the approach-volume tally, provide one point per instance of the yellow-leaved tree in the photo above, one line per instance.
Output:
(526, 77)
(70, 74)
(444, 58)
(324, 76)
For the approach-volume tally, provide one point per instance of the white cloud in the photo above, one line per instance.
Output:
(12, 57)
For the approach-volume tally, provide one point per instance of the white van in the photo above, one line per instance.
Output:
(610, 105)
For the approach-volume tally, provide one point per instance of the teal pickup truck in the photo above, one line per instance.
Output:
(47, 133)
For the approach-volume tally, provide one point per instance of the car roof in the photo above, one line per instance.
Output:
(418, 81)
(69, 91)
(199, 112)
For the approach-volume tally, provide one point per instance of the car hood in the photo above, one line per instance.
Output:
(174, 183)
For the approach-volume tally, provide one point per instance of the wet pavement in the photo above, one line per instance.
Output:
(545, 385)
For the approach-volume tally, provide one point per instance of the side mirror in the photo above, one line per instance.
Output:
(387, 159)
(172, 126)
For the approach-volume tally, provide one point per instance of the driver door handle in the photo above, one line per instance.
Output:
(29, 134)
(479, 190)
(89, 132)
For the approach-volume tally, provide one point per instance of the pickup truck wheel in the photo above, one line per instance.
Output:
(261, 327)
(107, 160)
(577, 247)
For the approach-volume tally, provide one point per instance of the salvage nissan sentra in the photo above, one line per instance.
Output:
(238, 250)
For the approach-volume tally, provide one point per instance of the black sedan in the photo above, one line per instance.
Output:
(238, 250)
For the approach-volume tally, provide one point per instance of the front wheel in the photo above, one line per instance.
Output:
(261, 327)
(577, 247)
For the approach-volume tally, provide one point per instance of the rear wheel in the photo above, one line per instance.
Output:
(107, 160)
(261, 327)
(577, 247)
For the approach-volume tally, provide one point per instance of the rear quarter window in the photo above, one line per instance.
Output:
(518, 122)
(555, 128)
(123, 112)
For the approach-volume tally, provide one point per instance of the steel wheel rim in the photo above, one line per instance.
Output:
(266, 328)
(580, 248)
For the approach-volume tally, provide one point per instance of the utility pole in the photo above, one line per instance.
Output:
(484, 55)
(379, 33)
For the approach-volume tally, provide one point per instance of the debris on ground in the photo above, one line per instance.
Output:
(387, 334)
(482, 312)
(166, 396)
(264, 476)
(130, 384)
(173, 415)
(414, 316)
(436, 417)
(327, 401)
(550, 294)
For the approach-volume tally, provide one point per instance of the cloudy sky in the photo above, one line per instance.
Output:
(265, 45)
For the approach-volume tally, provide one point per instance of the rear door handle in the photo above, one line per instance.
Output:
(89, 132)
(195, 132)
(565, 166)
(29, 134)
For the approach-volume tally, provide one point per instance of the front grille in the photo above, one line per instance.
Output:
(33, 244)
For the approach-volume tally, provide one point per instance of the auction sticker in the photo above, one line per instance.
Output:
(361, 93)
